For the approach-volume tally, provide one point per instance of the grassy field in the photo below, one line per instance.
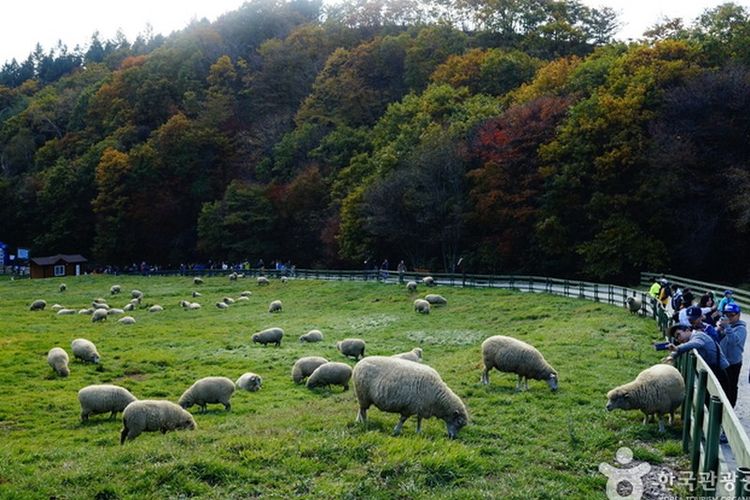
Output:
(286, 440)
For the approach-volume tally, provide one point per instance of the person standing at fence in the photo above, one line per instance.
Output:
(733, 332)
(655, 289)
(727, 299)
(401, 271)
(707, 347)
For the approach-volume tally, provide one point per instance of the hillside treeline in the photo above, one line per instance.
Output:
(516, 135)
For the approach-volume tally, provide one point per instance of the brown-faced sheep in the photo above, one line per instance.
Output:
(151, 416)
(269, 336)
(352, 348)
(399, 386)
(208, 390)
(331, 373)
(515, 356)
(304, 367)
(658, 390)
(57, 358)
(104, 398)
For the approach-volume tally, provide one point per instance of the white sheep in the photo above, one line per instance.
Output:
(331, 373)
(511, 355)
(246, 293)
(243, 299)
(114, 289)
(129, 307)
(86, 311)
(422, 306)
(312, 336)
(136, 294)
(197, 294)
(56, 307)
(155, 308)
(63, 287)
(184, 304)
(428, 281)
(228, 301)
(284, 279)
(413, 355)
(127, 320)
(658, 390)
(222, 305)
(151, 416)
(197, 281)
(208, 390)
(411, 286)
(274, 306)
(304, 367)
(436, 300)
(269, 336)
(194, 306)
(354, 348)
(85, 350)
(232, 276)
(96, 399)
(38, 305)
(399, 386)
(633, 304)
(114, 311)
(262, 281)
(66, 312)
(99, 315)
(249, 381)
(57, 358)
(100, 305)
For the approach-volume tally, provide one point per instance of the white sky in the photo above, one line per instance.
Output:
(74, 21)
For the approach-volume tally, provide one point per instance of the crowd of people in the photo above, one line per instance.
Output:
(715, 330)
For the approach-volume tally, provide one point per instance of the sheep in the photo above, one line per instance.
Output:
(197, 294)
(312, 336)
(274, 306)
(399, 386)
(127, 320)
(232, 276)
(155, 308)
(208, 390)
(38, 305)
(284, 279)
(515, 356)
(86, 311)
(411, 286)
(136, 294)
(65, 312)
(114, 289)
(436, 300)
(100, 305)
(96, 399)
(262, 281)
(633, 304)
(129, 307)
(413, 355)
(331, 373)
(194, 306)
(246, 293)
(99, 315)
(184, 304)
(136, 301)
(249, 381)
(63, 287)
(228, 301)
(354, 348)
(222, 305)
(114, 311)
(99, 300)
(151, 416)
(269, 336)
(243, 299)
(56, 307)
(428, 281)
(304, 367)
(656, 390)
(85, 350)
(57, 358)
(422, 306)
(197, 281)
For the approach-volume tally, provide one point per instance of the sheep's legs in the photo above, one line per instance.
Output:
(661, 423)
(419, 424)
(486, 376)
(362, 415)
(399, 425)
(227, 406)
(123, 435)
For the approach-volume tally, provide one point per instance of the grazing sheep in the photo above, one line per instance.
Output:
(411, 286)
(129, 307)
(514, 356)
(100, 305)
(633, 304)
(331, 373)
(57, 358)
(422, 306)
(274, 306)
(85, 350)
(197, 294)
(155, 308)
(96, 399)
(99, 315)
(64, 312)
(56, 307)
(195, 306)
(99, 300)
(228, 301)
(428, 281)
(399, 386)
(304, 367)
(127, 320)
(197, 281)
(413, 355)
(222, 305)
(208, 390)
(115, 311)
(284, 279)
(246, 293)
(436, 300)
(184, 304)
(86, 311)
(63, 287)
(269, 336)
(136, 302)
(151, 416)
(243, 299)
(657, 390)
(38, 305)
(114, 289)
(354, 348)
(312, 336)
(249, 381)
(262, 281)
(136, 294)
(232, 276)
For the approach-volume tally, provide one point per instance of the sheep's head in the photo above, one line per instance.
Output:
(63, 371)
(552, 381)
(187, 423)
(186, 401)
(457, 420)
(619, 398)
(96, 357)
(256, 338)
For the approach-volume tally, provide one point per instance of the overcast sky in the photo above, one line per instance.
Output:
(74, 21)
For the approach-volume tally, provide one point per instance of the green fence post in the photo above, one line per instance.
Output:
(741, 488)
(695, 449)
(711, 452)
(687, 405)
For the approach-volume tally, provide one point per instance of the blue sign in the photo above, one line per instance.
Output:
(23, 253)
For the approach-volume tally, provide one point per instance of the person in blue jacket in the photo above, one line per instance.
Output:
(708, 348)
(733, 333)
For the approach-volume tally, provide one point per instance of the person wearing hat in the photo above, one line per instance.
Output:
(732, 332)
(688, 315)
(709, 349)
(727, 299)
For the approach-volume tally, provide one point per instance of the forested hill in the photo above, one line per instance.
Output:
(516, 135)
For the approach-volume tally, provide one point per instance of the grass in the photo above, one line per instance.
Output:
(286, 440)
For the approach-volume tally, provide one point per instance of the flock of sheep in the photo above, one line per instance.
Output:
(399, 384)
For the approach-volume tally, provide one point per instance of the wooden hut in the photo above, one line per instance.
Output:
(56, 266)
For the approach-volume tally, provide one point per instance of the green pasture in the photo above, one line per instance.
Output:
(286, 440)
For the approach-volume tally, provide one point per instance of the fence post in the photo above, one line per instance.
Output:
(687, 404)
(741, 488)
(711, 453)
(695, 451)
